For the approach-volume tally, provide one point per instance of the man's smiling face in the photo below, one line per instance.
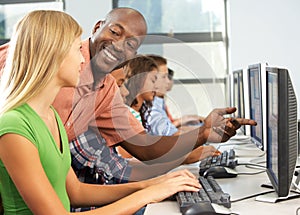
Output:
(117, 39)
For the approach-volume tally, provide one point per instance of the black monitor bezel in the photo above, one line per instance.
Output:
(287, 150)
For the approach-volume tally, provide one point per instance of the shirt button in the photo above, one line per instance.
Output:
(68, 124)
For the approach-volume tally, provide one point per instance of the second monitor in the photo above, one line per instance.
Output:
(257, 104)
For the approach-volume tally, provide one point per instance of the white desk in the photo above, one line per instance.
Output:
(240, 187)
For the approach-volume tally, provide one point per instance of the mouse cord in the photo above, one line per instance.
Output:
(251, 173)
(248, 197)
(252, 166)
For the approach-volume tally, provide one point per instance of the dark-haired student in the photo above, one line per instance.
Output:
(139, 89)
(141, 75)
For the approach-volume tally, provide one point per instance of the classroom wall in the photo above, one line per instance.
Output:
(259, 31)
(87, 13)
(266, 31)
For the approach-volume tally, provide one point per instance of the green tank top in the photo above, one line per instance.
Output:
(25, 121)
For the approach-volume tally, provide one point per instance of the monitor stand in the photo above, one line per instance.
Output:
(273, 197)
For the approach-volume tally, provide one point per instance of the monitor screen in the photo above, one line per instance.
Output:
(281, 124)
(238, 95)
(256, 104)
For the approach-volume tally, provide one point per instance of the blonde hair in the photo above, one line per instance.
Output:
(40, 42)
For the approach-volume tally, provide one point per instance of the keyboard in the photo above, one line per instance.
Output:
(226, 159)
(210, 193)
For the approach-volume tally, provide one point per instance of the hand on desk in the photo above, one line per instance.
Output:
(220, 129)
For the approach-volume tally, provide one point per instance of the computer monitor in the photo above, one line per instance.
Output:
(257, 73)
(238, 98)
(282, 136)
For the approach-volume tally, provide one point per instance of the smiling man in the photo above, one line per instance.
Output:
(96, 103)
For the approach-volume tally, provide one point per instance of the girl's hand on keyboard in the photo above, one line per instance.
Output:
(171, 183)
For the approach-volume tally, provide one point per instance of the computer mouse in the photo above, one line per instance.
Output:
(220, 172)
(201, 208)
